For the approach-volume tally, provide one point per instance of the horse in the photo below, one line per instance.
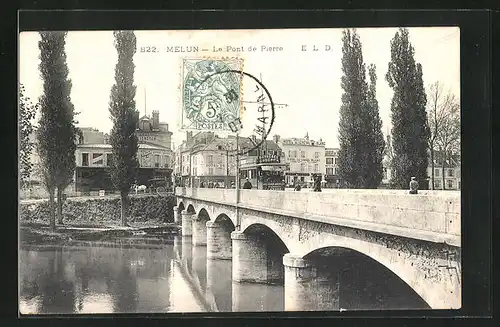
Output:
(140, 188)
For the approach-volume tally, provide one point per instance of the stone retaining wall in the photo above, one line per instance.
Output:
(95, 210)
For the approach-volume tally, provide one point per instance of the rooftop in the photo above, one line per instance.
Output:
(144, 146)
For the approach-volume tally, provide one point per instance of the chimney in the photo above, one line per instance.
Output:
(276, 139)
(156, 119)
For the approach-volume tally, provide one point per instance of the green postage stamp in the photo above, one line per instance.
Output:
(211, 93)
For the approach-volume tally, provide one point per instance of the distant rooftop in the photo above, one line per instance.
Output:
(144, 146)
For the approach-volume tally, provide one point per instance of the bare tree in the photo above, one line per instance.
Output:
(443, 114)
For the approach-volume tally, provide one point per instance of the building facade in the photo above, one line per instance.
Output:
(446, 174)
(304, 156)
(94, 154)
(331, 168)
(184, 167)
(152, 131)
(206, 158)
(93, 162)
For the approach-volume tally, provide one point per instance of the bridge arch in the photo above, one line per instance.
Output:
(180, 206)
(224, 220)
(362, 282)
(412, 271)
(190, 208)
(203, 214)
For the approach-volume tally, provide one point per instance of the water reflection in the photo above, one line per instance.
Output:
(252, 297)
(134, 275)
(219, 285)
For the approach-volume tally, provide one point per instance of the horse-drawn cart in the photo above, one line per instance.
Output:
(160, 185)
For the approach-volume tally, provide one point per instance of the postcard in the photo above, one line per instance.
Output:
(168, 171)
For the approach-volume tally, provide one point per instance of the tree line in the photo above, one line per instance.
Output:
(420, 129)
(56, 130)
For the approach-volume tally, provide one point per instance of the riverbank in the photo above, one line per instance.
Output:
(33, 233)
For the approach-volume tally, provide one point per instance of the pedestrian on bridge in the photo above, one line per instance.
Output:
(413, 186)
(317, 183)
(247, 185)
(297, 187)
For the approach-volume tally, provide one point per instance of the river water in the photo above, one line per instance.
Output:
(137, 275)
(157, 275)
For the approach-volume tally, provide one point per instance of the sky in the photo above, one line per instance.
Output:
(308, 82)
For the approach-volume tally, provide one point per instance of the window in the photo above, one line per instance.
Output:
(335, 160)
(210, 160)
(436, 172)
(459, 184)
(437, 183)
(316, 167)
(302, 167)
(316, 155)
(295, 153)
(449, 184)
(195, 160)
(329, 171)
(336, 171)
(385, 173)
(450, 172)
(329, 161)
(97, 159)
(85, 159)
(289, 153)
(302, 154)
(210, 171)
(157, 160)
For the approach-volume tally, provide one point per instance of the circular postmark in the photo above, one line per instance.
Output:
(258, 101)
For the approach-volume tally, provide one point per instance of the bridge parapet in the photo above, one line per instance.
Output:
(433, 211)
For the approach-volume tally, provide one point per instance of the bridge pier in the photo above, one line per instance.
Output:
(199, 231)
(249, 259)
(307, 288)
(177, 215)
(187, 223)
(254, 261)
(218, 241)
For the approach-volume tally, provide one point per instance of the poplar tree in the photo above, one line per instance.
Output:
(360, 136)
(125, 119)
(410, 130)
(56, 132)
(374, 137)
(27, 112)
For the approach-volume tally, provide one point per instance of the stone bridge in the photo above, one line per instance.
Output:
(308, 241)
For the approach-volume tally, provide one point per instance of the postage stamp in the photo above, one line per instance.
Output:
(211, 93)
